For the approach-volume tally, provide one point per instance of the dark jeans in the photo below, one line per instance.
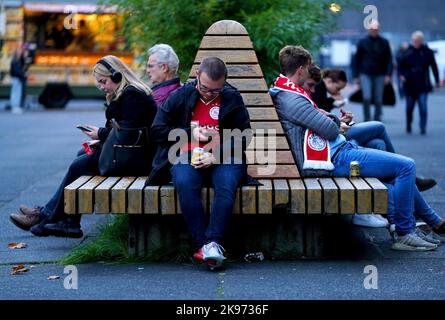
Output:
(84, 164)
(411, 103)
(188, 181)
(372, 90)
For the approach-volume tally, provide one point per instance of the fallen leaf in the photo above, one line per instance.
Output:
(19, 269)
(53, 277)
(14, 245)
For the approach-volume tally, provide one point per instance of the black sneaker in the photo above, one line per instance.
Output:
(425, 183)
(65, 228)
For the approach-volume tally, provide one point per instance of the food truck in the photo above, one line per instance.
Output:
(62, 40)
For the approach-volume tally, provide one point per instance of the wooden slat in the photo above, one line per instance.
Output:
(70, 194)
(363, 195)
(272, 156)
(248, 194)
(167, 200)
(237, 203)
(257, 99)
(268, 143)
(224, 27)
(102, 195)
(226, 42)
(380, 195)
(281, 192)
(246, 85)
(347, 195)
(298, 196)
(313, 192)
(136, 196)
(265, 197)
(280, 171)
(151, 200)
(119, 195)
(249, 85)
(228, 56)
(205, 199)
(268, 126)
(235, 71)
(86, 195)
(258, 114)
(330, 195)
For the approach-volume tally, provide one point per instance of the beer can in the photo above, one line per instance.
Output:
(354, 169)
(197, 152)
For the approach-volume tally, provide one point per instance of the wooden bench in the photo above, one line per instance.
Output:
(256, 207)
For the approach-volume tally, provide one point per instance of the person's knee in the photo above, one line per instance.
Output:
(377, 144)
(409, 164)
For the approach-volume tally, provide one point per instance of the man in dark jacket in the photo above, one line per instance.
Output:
(414, 74)
(372, 68)
(162, 68)
(205, 112)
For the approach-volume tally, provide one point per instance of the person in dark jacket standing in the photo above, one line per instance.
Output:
(414, 74)
(372, 69)
(204, 112)
(162, 68)
(129, 104)
(18, 77)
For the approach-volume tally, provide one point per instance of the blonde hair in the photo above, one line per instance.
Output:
(129, 78)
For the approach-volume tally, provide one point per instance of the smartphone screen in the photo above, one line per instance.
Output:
(84, 128)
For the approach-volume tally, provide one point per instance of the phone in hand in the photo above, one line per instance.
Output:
(351, 123)
(84, 128)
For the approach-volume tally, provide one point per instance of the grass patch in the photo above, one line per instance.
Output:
(111, 245)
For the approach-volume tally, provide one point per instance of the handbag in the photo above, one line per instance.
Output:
(389, 96)
(125, 152)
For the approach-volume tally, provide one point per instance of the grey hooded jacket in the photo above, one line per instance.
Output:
(296, 115)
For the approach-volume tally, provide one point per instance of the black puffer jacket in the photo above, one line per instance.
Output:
(373, 57)
(414, 66)
(176, 113)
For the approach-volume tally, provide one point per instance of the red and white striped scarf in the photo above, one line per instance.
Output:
(317, 153)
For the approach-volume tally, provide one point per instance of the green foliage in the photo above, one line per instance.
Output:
(270, 23)
(110, 245)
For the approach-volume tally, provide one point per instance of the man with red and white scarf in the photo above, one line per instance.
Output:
(320, 150)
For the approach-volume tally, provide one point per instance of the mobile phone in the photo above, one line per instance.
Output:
(84, 128)
(351, 123)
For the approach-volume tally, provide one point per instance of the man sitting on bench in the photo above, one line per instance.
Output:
(202, 110)
(319, 149)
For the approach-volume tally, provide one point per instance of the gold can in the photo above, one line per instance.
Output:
(197, 152)
(354, 169)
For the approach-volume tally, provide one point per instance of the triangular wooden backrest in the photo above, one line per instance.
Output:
(229, 41)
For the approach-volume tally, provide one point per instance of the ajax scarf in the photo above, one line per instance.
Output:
(316, 149)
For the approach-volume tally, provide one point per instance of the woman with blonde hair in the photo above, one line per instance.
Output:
(129, 105)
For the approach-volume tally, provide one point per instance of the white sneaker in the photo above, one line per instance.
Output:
(369, 220)
(16, 110)
(213, 251)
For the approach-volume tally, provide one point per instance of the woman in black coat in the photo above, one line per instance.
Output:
(131, 105)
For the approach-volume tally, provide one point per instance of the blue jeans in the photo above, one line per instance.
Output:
(423, 112)
(399, 172)
(188, 182)
(372, 90)
(371, 134)
(16, 92)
